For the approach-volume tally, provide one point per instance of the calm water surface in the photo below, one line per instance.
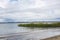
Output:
(11, 28)
(33, 33)
(8, 28)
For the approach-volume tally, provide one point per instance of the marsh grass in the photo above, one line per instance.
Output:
(41, 25)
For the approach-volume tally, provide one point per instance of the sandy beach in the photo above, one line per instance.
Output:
(53, 38)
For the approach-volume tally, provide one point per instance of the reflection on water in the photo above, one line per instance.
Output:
(33, 33)
(11, 28)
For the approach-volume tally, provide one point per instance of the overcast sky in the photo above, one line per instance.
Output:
(29, 10)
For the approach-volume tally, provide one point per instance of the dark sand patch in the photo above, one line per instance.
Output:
(53, 38)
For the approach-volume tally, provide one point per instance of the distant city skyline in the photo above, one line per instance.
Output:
(29, 10)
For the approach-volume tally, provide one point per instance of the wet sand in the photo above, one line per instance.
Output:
(53, 38)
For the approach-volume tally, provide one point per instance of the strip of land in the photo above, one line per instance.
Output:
(53, 38)
(41, 25)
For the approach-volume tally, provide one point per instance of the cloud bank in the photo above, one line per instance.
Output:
(29, 10)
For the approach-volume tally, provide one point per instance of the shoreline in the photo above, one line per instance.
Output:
(53, 38)
(41, 34)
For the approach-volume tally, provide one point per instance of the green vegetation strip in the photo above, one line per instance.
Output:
(41, 25)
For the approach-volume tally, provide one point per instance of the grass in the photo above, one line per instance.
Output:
(41, 25)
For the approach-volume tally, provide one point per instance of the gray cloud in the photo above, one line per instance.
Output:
(31, 10)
